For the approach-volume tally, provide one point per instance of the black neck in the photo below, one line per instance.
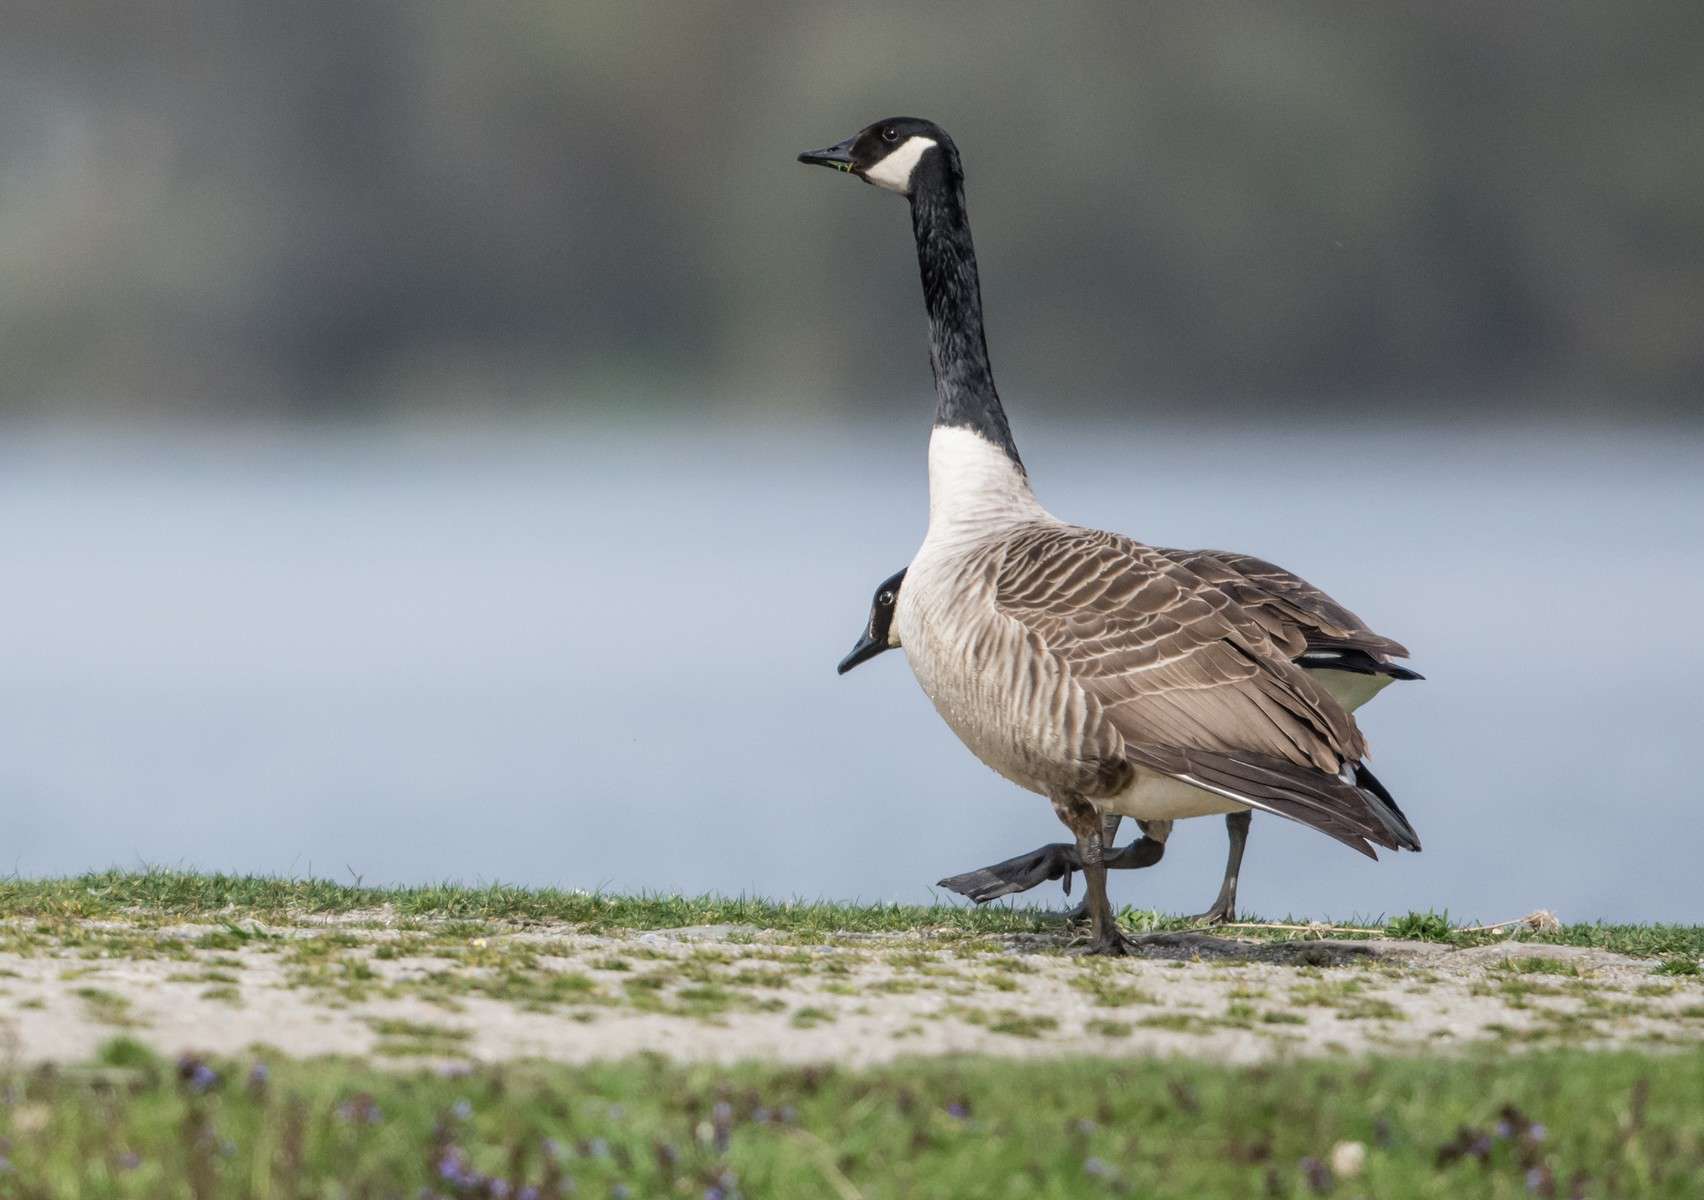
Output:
(964, 382)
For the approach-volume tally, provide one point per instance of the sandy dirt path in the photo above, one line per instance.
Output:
(408, 992)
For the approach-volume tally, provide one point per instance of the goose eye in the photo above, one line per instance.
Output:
(890, 134)
(885, 599)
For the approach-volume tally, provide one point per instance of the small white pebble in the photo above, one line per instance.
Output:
(1348, 1159)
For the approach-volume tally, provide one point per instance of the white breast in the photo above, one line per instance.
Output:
(968, 659)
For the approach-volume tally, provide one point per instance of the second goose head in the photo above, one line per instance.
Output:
(879, 634)
(900, 154)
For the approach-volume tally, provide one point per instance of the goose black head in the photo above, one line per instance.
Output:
(879, 634)
(898, 154)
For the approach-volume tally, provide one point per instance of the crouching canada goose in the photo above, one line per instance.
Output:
(1349, 660)
(1084, 665)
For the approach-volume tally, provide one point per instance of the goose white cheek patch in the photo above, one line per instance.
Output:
(894, 171)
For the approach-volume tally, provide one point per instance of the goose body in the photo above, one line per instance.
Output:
(1076, 661)
(1080, 664)
(1349, 660)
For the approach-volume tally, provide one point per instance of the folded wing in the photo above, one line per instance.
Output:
(1199, 685)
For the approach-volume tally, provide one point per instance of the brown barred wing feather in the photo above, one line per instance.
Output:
(1290, 602)
(1172, 659)
(1196, 683)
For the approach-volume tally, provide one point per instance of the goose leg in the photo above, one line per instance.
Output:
(1105, 937)
(1145, 851)
(1109, 829)
(1225, 907)
(1057, 860)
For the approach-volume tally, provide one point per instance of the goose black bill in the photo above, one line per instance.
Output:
(863, 650)
(838, 156)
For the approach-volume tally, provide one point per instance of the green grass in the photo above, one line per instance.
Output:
(1687, 965)
(1007, 1021)
(174, 895)
(1619, 1125)
(104, 1007)
(1536, 964)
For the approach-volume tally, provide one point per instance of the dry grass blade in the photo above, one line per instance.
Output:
(824, 1154)
(1312, 928)
(1540, 921)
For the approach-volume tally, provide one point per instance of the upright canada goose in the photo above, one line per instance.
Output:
(1084, 665)
(1348, 659)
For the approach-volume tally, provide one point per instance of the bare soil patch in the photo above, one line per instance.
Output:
(404, 991)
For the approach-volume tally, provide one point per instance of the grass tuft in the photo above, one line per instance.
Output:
(1421, 927)
(235, 902)
(1545, 1123)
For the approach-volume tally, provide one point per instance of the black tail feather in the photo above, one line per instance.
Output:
(1356, 814)
(1367, 781)
(1356, 662)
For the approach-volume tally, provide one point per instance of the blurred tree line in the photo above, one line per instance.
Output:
(239, 208)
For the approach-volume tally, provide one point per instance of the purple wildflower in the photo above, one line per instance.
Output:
(461, 1110)
(127, 1161)
(196, 1075)
(453, 1168)
(361, 1109)
(259, 1076)
(1317, 1175)
(1467, 1143)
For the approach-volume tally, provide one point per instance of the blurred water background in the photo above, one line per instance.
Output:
(607, 659)
(448, 441)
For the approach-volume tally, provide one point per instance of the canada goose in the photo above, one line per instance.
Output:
(1348, 659)
(1084, 665)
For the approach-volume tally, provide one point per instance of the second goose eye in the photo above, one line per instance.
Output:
(885, 599)
(890, 134)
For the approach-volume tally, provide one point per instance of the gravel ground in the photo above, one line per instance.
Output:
(405, 992)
